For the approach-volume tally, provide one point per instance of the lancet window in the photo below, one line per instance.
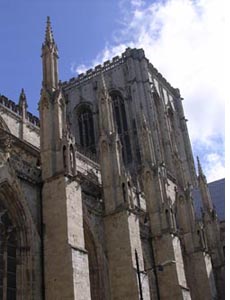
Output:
(86, 128)
(122, 126)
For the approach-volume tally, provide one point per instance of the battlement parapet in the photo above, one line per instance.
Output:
(106, 66)
(16, 109)
(134, 53)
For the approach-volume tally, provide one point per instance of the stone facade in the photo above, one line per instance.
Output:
(96, 195)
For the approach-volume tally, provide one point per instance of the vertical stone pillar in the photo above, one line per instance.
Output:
(166, 245)
(198, 266)
(122, 232)
(122, 239)
(65, 257)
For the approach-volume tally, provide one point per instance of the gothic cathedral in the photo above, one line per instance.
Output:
(96, 195)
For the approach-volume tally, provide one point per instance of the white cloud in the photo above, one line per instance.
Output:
(184, 40)
(214, 167)
(137, 3)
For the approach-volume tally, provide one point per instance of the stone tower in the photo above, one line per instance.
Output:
(66, 274)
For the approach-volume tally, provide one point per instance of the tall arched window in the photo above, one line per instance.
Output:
(122, 125)
(86, 128)
(8, 246)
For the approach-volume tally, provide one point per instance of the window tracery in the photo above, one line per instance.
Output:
(86, 128)
(122, 126)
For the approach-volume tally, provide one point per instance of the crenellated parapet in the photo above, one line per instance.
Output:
(116, 61)
(91, 73)
(14, 108)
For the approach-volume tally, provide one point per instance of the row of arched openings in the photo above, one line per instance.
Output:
(85, 118)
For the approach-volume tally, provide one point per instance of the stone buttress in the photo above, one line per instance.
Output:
(66, 274)
(196, 257)
(165, 242)
(212, 231)
(122, 232)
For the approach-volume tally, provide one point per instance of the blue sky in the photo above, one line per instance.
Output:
(81, 29)
(183, 39)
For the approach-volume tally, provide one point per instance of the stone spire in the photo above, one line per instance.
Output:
(49, 60)
(205, 194)
(49, 39)
(200, 170)
(105, 109)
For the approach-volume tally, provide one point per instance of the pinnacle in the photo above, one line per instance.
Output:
(200, 171)
(49, 33)
(22, 98)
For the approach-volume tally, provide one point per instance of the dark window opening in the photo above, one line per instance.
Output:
(168, 218)
(86, 129)
(122, 126)
(64, 157)
(124, 192)
(136, 142)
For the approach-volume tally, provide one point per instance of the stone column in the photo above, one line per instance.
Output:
(65, 257)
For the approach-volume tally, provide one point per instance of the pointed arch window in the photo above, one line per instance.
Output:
(122, 125)
(86, 128)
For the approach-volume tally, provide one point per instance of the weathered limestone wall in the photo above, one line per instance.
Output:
(121, 243)
(65, 258)
(94, 234)
(168, 255)
(14, 124)
(33, 198)
(202, 285)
